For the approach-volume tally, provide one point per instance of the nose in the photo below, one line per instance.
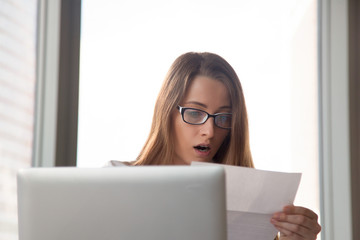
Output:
(207, 129)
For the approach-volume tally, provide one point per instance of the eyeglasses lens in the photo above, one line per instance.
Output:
(223, 121)
(194, 116)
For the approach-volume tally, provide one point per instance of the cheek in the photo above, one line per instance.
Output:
(221, 137)
(183, 134)
(177, 128)
(181, 130)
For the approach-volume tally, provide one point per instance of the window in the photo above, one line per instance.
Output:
(127, 48)
(17, 84)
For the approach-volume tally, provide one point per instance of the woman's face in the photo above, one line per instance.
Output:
(200, 142)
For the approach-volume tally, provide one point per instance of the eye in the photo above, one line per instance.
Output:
(194, 113)
(194, 116)
(223, 120)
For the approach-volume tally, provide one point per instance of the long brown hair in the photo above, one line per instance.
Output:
(159, 148)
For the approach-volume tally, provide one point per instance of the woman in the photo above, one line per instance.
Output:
(200, 115)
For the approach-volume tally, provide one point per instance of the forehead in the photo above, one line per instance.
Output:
(210, 92)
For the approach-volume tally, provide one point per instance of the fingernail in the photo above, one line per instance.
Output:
(276, 216)
(287, 208)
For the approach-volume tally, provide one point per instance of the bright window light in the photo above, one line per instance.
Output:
(128, 46)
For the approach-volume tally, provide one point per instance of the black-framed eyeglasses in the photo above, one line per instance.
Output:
(197, 117)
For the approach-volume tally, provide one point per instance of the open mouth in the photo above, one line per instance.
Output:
(202, 148)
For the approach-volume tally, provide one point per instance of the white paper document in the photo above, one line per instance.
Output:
(252, 196)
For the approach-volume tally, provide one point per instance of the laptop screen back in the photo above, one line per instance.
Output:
(162, 203)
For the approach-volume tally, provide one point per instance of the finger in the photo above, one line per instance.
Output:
(296, 210)
(301, 220)
(287, 233)
(290, 229)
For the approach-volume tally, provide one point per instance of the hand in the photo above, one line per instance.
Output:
(296, 223)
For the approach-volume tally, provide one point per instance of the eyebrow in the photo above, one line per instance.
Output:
(205, 106)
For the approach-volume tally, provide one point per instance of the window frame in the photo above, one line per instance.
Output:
(56, 112)
(334, 127)
(57, 88)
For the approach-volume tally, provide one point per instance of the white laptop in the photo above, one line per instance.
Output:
(128, 203)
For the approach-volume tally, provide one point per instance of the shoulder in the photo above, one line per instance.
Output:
(116, 163)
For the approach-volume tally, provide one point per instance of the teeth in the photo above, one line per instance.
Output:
(202, 148)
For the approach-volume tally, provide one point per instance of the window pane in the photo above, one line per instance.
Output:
(128, 46)
(17, 84)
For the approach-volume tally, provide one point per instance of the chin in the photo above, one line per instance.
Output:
(202, 160)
